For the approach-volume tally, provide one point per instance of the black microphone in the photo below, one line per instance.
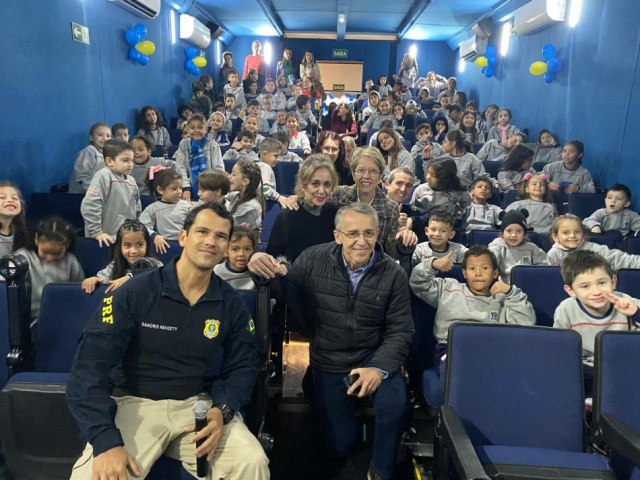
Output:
(200, 410)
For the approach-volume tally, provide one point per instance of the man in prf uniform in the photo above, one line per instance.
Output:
(166, 328)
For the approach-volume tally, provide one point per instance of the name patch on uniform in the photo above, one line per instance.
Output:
(493, 316)
(251, 326)
(211, 328)
(107, 310)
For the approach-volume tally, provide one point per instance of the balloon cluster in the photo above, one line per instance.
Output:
(487, 62)
(139, 49)
(549, 67)
(195, 60)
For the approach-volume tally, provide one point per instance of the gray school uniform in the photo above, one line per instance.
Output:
(436, 149)
(625, 221)
(276, 127)
(110, 200)
(508, 179)
(405, 160)
(423, 251)
(183, 155)
(238, 92)
(278, 102)
(268, 115)
(469, 168)
(299, 141)
(495, 134)
(107, 272)
(481, 217)
(291, 104)
(67, 269)
(290, 157)
(166, 219)
(6, 245)
(159, 136)
(454, 302)
(237, 280)
(492, 151)
(248, 215)
(427, 200)
(571, 315)
(616, 258)
(233, 154)
(558, 173)
(384, 90)
(269, 191)
(542, 154)
(140, 172)
(508, 257)
(305, 118)
(540, 217)
(88, 162)
(377, 118)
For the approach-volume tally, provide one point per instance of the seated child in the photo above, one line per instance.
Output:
(546, 149)
(373, 100)
(266, 111)
(280, 124)
(235, 88)
(484, 297)
(285, 154)
(112, 196)
(537, 200)
(594, 305)
(440, 231)
(251, 124)
(517, 164)
(568, 235)
(143, 161)
(242, 147)
(270, 148)
(297, 140)
(152, 127)
(480, 215)
(570, 176)
(443, 190)
(244, 201)
(213, 185)
(120, 131)
(217, 129)
(234, 269)
(90, 159)
(165, 218)
(132, 243)
(253, 108)
(512, 247)
(303, 112)
(184, 112)
(616, 214)
(502, 128)
(291, 102)
(493, 150)
(384, 113)
(13, 224)
(50, 258)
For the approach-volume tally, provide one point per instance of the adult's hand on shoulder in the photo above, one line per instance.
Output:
(264, 265)
(113, 464)
(291, 203)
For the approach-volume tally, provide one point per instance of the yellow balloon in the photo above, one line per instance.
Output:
(482, 62)
(538, 68)
(201, 62)
(146, 47)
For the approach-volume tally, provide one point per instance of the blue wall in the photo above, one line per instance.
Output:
(595, 97)
(54, 89)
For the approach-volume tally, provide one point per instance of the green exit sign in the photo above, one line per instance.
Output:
(340, 53)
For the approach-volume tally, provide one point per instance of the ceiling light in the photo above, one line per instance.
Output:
(342, 17)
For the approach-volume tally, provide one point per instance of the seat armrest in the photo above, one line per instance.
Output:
(460, 447)
(620, 437)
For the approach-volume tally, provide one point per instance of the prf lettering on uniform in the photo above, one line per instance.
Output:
(107, 310)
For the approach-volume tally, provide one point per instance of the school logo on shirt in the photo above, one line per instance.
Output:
(211, 328)
(493, 316)
(525, 261)
(251, 326)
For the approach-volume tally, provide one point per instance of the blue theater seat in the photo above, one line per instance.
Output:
(370, 133)
(272, 211)
(584, 204)
(629, 282)
(544, 288)
(513, 415)
(228, 165)
(91, 256)
(174, 250)
(483, 237)
(4, 334)
(65, 205)
(286, 173)
(492, 167)
(632, 245)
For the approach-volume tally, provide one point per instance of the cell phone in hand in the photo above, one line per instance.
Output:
(350, 380)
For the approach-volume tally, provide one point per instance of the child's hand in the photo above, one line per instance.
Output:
(443, 264)
(553, 186)
(161, 244)
(596, 229)
(115, 284)
(186, 195)
(89, 284)
(426, 151)
(282, 200)
(105, 238)
(499, 287)
(573, 188)
(625, 306)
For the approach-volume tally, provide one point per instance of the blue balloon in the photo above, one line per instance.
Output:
(483, 70)
(191, 52)
(143, 59)
(489, 72)
(553, 65)
(134, 54)
(492, 61)
(548, 52)
(140, 29)
(132, 37)
(490, 51)
(549, 77)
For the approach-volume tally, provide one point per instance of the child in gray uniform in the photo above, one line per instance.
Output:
(481, 215)
(112, 196)
(234, 269)
(594, 305)
(519, 161)
(50, 258)
(242, 147)
(164, 219)
(502, 129)
(13, 225)
(143, 161)
(244, 201)
(538, 202)
(90, 158)
(616, 214)
(440, 231)
(384, 113)
(569, 175)
(484, 297)
(512, 247)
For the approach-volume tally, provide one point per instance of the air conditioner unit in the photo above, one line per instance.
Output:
(193, 31)
(538, 14)
(472, 48)
(140, 8)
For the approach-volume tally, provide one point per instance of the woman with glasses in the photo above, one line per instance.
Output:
(331, 145)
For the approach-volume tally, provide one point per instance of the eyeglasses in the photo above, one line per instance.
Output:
(330, 150)
(374, 172)
(353, 235)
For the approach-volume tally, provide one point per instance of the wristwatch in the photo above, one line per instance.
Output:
(227, 412)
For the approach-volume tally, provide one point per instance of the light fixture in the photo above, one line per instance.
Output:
(461, 65)
(268, 53)
(342, 17)
(172, 20)
(505, 37)
(574, 13)
(413, 51)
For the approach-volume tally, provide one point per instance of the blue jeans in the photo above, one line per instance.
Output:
(336, 410)
(433, 378)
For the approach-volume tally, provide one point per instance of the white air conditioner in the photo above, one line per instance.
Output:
(193, 31)
(538, 14)
(140, 8)
(472, 48)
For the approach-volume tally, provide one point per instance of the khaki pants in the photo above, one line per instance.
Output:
(151, 428)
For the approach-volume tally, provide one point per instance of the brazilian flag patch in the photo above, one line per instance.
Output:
(251, 326)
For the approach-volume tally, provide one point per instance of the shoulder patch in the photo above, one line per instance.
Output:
(251, 326)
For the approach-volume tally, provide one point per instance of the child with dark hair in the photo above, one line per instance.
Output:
(217, 129)
(13, 225)
(242, 147)
(469, 126)
(50, 259)
(488, 118)
(502, 129)
(468, 166)
(518, 163)
(483, 297)
(493, 150)
(143, 161)
(440, 231)
(234, 270)
(440, 128)
(481, 215)
(90, 159)
(199, 103)
(616, 215)
(270, 149)
(303, 112)
(152, 126)
(569, 175)
(384, 113)
(120, 131)
(443, 190)
(213, 185)
(233, 87)
(285, 154)
(546, 148)
(244, 201)
(184, 112)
